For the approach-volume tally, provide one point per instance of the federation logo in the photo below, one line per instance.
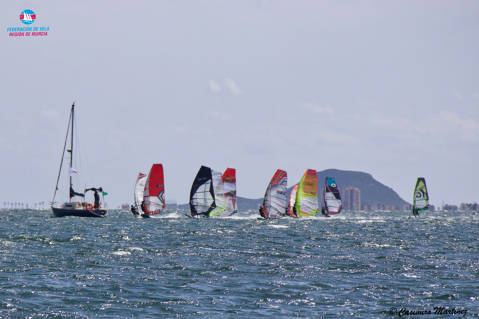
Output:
(27, 16)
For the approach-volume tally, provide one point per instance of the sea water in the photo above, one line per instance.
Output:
(364, 265)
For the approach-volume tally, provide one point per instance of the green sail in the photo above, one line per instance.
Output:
(307, 194)
(421, 197)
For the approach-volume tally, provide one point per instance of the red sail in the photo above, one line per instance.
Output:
(154, 196)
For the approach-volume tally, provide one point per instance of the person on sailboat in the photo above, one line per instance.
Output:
(96, 196)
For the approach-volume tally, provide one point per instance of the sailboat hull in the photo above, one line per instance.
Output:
(63, 212)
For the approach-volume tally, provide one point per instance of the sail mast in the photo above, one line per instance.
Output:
(71, 149)
(61, 161)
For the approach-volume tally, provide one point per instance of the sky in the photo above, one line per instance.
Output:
(386, 87)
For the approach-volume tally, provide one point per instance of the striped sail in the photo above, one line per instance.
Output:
(421, 196)
(307, 195)
(275, 199)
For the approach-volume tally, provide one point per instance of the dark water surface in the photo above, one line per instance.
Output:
(354, 265)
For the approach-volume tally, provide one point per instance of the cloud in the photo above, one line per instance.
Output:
(49, 114)
(233, 87)
(468, 127)
(220, 116)
(319, 109)
(392, 122)
(229, 85)
(214, 86)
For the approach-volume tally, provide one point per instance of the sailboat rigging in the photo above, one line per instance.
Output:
(76, 208)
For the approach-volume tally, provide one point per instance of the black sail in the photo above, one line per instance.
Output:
(202, 196)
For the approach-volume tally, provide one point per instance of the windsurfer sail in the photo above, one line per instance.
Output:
(224, 186)
(219, 194)
(307, 195)
(421, 197)
(136, 208)
(229, 184)
(154, 195)
(202, 194)
(275, 200)
(332, 197)
(292, 202)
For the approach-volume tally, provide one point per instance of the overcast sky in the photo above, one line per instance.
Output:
(386, 87)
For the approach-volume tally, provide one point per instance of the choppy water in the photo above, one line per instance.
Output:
(352, 265)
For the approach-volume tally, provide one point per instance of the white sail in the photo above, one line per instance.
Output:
(333, 205)
(218, 187)
(139, 189)
(229, 187)
(275, 199)
(230, 190)
(202, 198)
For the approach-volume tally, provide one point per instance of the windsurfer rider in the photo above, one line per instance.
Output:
(323, 211)
(261, 211)
(134, 210)
(293, 212)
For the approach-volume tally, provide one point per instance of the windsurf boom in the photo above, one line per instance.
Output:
(332, 197)
(421, 197)
(275, 200)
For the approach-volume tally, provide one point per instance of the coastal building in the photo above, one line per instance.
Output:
(469, 207)
(450, 208)
(351, 198)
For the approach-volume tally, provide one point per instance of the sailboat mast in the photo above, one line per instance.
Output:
(71, 149)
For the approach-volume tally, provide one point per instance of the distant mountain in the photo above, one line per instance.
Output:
(373, 193)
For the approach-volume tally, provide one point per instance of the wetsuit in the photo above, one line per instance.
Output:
(261, 211)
